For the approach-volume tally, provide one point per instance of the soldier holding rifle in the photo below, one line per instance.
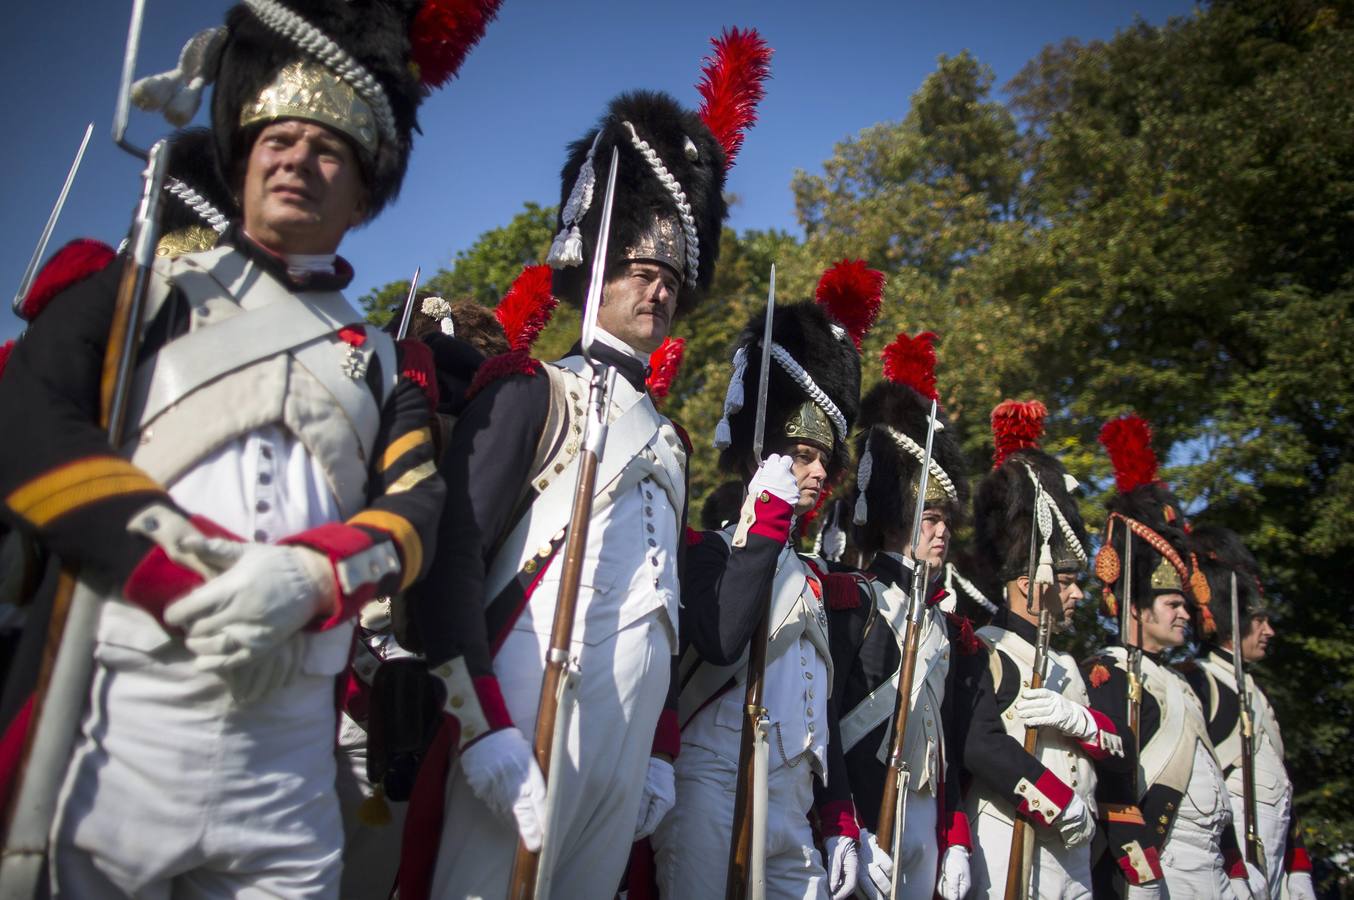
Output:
(1262, 795)
(744, 584)
(1033, 746)
(1154, 587)
(489, 613)
(274, 472)
(876, 653)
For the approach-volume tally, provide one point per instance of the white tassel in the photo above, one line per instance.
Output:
(833, 542)
(177, 93)
(448, 326)
(1044, 574)
(863, 473)
(723, 435)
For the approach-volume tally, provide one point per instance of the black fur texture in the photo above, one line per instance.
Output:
(192, 160)
(1147, 504)
(1221, 552)
(640, 197)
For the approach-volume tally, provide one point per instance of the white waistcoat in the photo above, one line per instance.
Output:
(1272, 786)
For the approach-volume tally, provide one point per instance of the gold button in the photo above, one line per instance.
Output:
(542, 484)
(468, 732)
(1010, 715)
(559, 467)
(444, 670)
(544, 550)
(1164, 820)
(457, 701)
(530, 566)
(1160, 830)
(764, 497)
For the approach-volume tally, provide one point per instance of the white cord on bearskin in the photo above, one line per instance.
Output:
(863, 473)
(916, 450)
(674, 187)
(438, 308)
(952, 577)
(733, 397)
(567, 247)
(205, 210)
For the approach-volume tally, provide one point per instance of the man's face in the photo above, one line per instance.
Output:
(1070, 593)
(1255, 642)
(638, 303)
(809, 466)
(302, 188)
(1166, 624)
(935, 539)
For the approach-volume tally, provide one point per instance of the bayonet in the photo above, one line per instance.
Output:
(1255, 853)
(29, 273)
(408, 315)
(122, 110)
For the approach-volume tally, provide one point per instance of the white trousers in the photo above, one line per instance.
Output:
(620, 695)
(1057, 873)
(1192, 872)
(691, 846)
(1272, 825)
(175, 791)
(919, 856)
(371, 853)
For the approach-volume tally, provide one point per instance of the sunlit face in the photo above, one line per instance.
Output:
(638, 303)
(1069, 595)
(934, 545)
(1166, 623)
(302, 188)
(809, 466)
(1255, 642)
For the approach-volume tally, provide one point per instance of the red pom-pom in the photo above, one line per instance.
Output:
(912, 361)
(514, 362)
(353, 335)
(664, 364)
(526, 309)
(1129, 442)
(1016, 426)
(852, 293)
(417, 365)
(965, 638)
(5, 349)
(443, 33)
(73, 263)
(808, 517)
(732, 84)
(693, 537)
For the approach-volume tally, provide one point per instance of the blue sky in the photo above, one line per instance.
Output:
(494, 138)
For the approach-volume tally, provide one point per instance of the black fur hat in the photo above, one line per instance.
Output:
(195, 196)
(814, 341)
(891, 415)
(1220, 552)
(679, 141)
(1004, 515)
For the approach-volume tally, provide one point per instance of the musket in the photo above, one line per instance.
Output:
(408, 306)
(1019, 861)
(892, 806)
(1133, 650)
(747, 849)
(1255, 851)
(531, 872)
(67, 660)
(32, 270)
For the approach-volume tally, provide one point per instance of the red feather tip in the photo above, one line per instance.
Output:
(1129, 442)
(443, 33)
(73, 263)
(732, 84)
(912, 361)
(852, 293)
(525, 310)
(1016, 426)
(5, 349)
(663, 366)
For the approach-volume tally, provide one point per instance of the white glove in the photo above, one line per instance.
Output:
(264, 674)
(1075, 824)
(502, 772)
(1255, 882)
(775, 476)
(955, 877)
(876, 871)
(660, 794)
(843, 862)
(264, 594)
(1040, 706)
(1144, 891)
(1300, 886)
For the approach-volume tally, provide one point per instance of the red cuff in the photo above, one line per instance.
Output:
(667, 736)
(1140, 865)
(1045, 800)
(1234, 862)
(773, 518)
(491, 702)
(158, 581)
(339, 542)
(1297, 860)
(839, 818)
(1095, 747)
(956, 832)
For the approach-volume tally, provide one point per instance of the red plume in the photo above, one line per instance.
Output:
(1016, 426)
(731, 86)
(525, 310)
(1129, 442)
(663, 365)
(852, 292)
(912, 361)
(73, 263)
(443, 33)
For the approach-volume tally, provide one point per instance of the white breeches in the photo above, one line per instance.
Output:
(1056, 873)
(620, 695)
(918, 860)
(691, 846)
(175, 791)
(1193, 872)
(1272, 824)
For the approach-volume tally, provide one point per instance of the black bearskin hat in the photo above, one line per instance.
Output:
(1220, 552)
(197, 206)
(722, 505)
(669, 205)
(367, 65)
(1004, 512)
(813, 340)
(893, 424)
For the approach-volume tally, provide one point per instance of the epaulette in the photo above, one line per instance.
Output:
(965, 640)
(841, 590)
(418, 366)
(514, 362)
(70, 265)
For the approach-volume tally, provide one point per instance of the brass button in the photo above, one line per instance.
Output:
(530, 566)
(457, 701)
(764, 497)
(468, 732)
